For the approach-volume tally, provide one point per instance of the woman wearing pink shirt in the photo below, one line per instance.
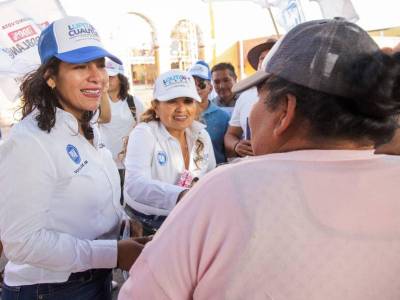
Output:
(315, 214)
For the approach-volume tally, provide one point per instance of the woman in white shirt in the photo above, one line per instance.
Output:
(167, 151)
(124, 116)
(60, 216)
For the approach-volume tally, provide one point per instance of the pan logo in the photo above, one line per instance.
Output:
(162, 158)
(73, 153)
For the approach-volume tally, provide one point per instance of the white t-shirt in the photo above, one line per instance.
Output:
(154, 164)
(121, 124)
(242, 110)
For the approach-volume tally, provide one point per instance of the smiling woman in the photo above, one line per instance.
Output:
(166, 151)
(80, 86)
(63, 222)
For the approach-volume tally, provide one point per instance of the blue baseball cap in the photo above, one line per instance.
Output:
(201, 69)
(73, 40)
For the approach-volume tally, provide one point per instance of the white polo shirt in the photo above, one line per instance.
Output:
(154, 163)
(59, 202)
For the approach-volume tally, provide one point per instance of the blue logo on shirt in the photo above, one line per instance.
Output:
(73, 153)
(162, 158)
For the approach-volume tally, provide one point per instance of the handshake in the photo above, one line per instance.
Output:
(131, 244)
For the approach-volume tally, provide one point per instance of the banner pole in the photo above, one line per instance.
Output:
(273, 22)
(212, 29)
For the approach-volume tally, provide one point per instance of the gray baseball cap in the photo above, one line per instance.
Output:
(317, 55)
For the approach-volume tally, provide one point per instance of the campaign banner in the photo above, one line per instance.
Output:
(338, 8)
(290, 13)
(21, 22)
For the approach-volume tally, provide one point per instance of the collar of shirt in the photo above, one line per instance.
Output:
(64, 118)
(192, 132)
(322, 155)
(210, 109)
(218, 102)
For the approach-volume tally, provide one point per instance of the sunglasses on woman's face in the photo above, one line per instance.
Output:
(200, 83)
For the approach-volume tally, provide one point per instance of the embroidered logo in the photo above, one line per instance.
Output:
(73, 153)
(162, 158)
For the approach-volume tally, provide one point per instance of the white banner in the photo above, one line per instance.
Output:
(338, 8)
(21, 22)
(290, 12)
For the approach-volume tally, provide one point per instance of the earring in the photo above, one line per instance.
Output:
(51, 84)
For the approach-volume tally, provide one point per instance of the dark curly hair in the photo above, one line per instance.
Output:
(372, 113)
(123, 86)
(36, 94)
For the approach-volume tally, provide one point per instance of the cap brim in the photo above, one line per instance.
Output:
(250, 81)
(178, 94)
(254, 54)
(112, 72)
(86, 54)
(201, 76)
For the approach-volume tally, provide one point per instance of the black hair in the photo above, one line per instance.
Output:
(372, 113)
(224, 66)
(123, 86)
(36, 94)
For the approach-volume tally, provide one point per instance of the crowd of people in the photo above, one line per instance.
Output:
(283, 186)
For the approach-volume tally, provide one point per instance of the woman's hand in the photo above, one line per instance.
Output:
(128, 252)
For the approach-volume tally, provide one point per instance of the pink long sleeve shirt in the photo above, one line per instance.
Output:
(303, 225)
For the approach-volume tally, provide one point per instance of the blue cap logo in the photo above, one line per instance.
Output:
(176, 79)
(162, 158)
(73, 154)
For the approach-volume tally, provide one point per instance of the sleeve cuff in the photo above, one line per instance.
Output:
(104, 254)
(173, 193)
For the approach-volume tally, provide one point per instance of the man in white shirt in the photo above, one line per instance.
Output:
(237, 137)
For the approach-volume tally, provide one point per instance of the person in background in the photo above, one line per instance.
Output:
(223, 78)
(167, 152)
(125, 113)
(308, 216)
(59, 226)
(237, 137)
(215, 118)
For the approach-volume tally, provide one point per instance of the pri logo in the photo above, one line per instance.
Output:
(73, 153)
(22, 33)
(162, 158)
